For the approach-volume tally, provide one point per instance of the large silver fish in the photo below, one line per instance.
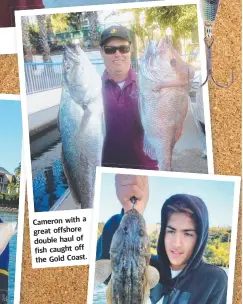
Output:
(131, 275)
(163, 100)
(81, 124)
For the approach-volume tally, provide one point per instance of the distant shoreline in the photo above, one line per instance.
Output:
(6, 209)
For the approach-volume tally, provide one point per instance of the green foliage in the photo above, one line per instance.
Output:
(34, 36)
(59, 22)
(8, 197)
(153, 251)
(182, 19)
(9, 200)
(218, 247)
(154, 239)
(17, 172)
(12, 188)
(100, 228)
(74, 20)
(217, 250)
(217, 254)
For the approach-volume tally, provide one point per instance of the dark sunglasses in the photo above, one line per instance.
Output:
(123, 49)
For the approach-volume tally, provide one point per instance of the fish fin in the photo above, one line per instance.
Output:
(148, 149)
(102, 271)
(152, 276)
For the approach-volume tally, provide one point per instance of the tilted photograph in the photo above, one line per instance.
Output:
(163, 237)
(11, 198)
(113, 88)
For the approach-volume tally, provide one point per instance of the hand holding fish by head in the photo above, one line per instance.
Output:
(128, 186)
(131, 275)
(81, 124)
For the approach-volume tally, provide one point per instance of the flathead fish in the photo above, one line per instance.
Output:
(7, 230)
(81, 124)
(131, 275)
(163, 99)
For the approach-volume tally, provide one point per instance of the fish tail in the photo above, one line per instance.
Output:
(164, 154)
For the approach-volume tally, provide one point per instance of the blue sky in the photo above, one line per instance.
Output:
(10, 134)
(217, 195)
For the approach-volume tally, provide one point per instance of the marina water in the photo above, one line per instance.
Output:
(11, 217)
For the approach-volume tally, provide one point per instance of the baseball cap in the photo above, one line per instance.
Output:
(118, 31)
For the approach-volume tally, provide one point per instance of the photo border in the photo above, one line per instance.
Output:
(21, 212)
(104, 7)
(236, 203)
(8, 41)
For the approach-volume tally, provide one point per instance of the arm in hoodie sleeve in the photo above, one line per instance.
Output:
(219, 290)
(104, 241)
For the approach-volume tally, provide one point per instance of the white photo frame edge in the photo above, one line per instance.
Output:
(19, 14)
(21, 212)
(235, 179)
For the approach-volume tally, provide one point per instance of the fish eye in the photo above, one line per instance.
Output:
(141, 232)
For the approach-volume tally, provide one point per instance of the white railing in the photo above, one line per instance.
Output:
(43, 76)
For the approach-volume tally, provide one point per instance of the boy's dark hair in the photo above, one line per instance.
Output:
(179, 207)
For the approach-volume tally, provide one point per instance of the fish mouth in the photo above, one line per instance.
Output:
(71, 52)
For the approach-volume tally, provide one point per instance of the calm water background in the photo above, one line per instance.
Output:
(99, 296)
(11, 217)
(49, 182)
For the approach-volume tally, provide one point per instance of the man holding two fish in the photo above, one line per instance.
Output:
(119, 125)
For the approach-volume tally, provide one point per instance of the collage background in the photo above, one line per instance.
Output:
(69, 284)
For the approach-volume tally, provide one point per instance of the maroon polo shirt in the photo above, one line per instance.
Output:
(123, 146)
(7, 8)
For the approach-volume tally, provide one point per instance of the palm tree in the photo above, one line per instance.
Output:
(75, 20)
(13, 188)
(28, 57)
(17, 172)
(46, 53)
(93, 33)
(49, 26)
